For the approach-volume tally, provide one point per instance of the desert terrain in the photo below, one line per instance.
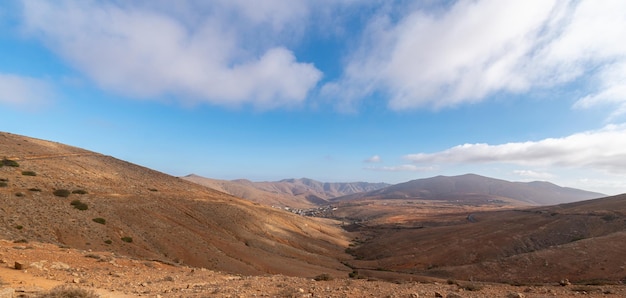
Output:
(82, 219)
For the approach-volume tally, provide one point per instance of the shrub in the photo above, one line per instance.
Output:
(64, 193)
(19, 194)
(100, 220)
(34, 189)
(153, 189)
(108, 241)
(79, 205)
(3, 184)
(79, 191)
(127, 239)
(323, 276)
(67, 291)
(19, 227)
(29, 173)
(10, 163)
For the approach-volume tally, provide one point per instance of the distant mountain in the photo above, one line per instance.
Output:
(476, 187)
(298, 193)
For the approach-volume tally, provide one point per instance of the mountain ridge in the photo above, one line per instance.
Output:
(453, 187)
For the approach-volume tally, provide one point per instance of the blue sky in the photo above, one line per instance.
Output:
(378, 91)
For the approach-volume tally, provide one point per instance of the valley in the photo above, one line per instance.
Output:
(125, 230)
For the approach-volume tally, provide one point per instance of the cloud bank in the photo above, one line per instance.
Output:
(213, 52)
(600, 149)
(470, 50)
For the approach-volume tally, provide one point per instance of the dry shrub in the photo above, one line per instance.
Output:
(67, 291)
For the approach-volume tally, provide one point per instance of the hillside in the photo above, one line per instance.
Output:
(471, 188)
(151, 215)
(296, 193)
(580, 241)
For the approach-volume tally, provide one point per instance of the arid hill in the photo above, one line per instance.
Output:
(476, 189)
(295, 193)
(53, 193)
(581, 241)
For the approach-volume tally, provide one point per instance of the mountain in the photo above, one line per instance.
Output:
(475, 188)
(54, 193)
(297, 193)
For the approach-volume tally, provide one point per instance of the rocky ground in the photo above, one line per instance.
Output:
(41, 267)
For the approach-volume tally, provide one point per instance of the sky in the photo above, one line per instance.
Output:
(337, 91)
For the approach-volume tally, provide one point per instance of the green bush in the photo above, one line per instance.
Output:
(127, 239)
(79, 205)
(79, 191)
(64, 193)
(108, 241)
(19, 227)
(3, 184)
(34, 189)
(29, 173)
(323, 276)
(10, 163)
(100, 220)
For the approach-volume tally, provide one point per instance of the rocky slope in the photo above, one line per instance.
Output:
(120, 207)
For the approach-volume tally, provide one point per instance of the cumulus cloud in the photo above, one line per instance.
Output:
(21, 91)
(600, 149)
(373, 159)
(186, 49)
(472, 49)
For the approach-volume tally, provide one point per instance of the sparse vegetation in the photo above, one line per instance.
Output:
(79, 205)
(67, 291)
(29, 173)
(19, 194)
(34, 189)
(20, 241)
(153, 189)
(19, 227)
(323, 277)
(127, 239)
(108, 241)
(100, 220)
(64, 193)
(3, 184)
(79, 191)
(10, 163)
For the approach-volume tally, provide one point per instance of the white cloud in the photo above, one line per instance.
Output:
(373, 159)
(402, 168)
(603, 149)
(473, 49)
(20, 91)
(173, 49)
(533, 174)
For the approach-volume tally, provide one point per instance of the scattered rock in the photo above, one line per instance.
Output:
(414, 295)
(515, 295)
(7, 293)
(19, 265)
(437, 294)
(453, 295)
(564, 282)
(60, 266)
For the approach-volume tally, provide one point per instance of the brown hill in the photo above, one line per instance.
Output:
(477, 189)
(581, 241)
(135, 211)
(295, 193)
